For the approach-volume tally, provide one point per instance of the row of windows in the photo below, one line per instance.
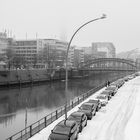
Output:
(19, 48)
(32, 51)
(26, 55)
(25, 43)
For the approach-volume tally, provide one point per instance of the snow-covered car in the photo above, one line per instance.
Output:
(112, 88)
(88, 109)
(126, 78)
(108, 93)
(103, 99)
(118, 83)
(97, 103)
(80, 118)
(65, 130)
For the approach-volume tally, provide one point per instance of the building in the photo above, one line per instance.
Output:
(78, 57)
(6, 49)
(138, 62)
(48, 52)
(26, 52)
(3, 44)
(88, 56)
(54, 52)
(103, 50)
(71, 56)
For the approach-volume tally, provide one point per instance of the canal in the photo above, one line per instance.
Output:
(40, 100)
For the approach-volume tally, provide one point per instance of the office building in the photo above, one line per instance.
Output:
(103, 50)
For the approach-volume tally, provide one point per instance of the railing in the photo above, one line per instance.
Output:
(34, 128)
(110, 68)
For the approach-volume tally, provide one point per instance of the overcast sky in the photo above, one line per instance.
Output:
(60, 18)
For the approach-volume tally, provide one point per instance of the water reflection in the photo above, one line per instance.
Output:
(40, 101)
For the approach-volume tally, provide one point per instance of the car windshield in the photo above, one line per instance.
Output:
(86, 107)
(77, 118)
(93, 101)
(61, 130)
(111, 88)
(101, 97)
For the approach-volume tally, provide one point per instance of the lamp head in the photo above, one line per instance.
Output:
(103, 16)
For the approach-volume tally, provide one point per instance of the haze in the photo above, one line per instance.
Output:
(60, 18)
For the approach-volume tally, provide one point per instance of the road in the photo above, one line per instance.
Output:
(115, 121)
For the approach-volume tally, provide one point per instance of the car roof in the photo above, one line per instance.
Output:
(77, 114)
(68, 123)
(101, 95)
(111, 86)
(86, 103)
(105, 91)
(95, 100)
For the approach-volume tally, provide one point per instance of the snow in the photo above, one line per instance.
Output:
(118, 120)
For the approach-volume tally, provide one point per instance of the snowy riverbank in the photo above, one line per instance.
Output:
(119, 120)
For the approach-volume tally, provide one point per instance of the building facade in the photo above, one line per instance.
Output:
(103, 50)
(3, 44)
(78, 57)
(54, 52)
(26, 52)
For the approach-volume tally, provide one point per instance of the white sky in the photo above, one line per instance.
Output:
(60, 18)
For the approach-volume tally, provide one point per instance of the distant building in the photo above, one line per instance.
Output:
(103, 49)
(78, 57)
(26, 51)
(48, 52)
(55, 52)
(6, 49)
(71, 56)
(87, 50)
(3, 43)
(138, 62)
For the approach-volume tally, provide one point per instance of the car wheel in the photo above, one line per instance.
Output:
(80, 129)
(86, 123)
(76, 137)
(90, 118)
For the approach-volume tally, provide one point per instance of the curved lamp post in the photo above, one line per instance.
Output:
(66, 78)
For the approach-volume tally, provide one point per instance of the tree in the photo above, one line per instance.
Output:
(19, 61)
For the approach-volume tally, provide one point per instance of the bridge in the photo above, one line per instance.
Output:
(114, 64)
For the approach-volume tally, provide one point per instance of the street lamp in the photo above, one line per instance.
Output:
(66, 76)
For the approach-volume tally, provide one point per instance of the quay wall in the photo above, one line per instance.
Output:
(17, 77)
(21, 77)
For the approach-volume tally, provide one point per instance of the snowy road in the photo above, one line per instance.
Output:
(118, 120)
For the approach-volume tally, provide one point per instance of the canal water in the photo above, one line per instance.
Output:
(40, 100)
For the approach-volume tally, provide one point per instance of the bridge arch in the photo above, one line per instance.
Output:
(109, 63)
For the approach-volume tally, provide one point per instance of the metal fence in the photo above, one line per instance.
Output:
(34, 128)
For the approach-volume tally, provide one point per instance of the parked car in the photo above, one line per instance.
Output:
(114, 84)
(65, 130)
(103, 99)
(108, 93)
(118, 83)
(130, 77)
(97, 103)
(80, 118)
(88, 109)
(113, 89)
